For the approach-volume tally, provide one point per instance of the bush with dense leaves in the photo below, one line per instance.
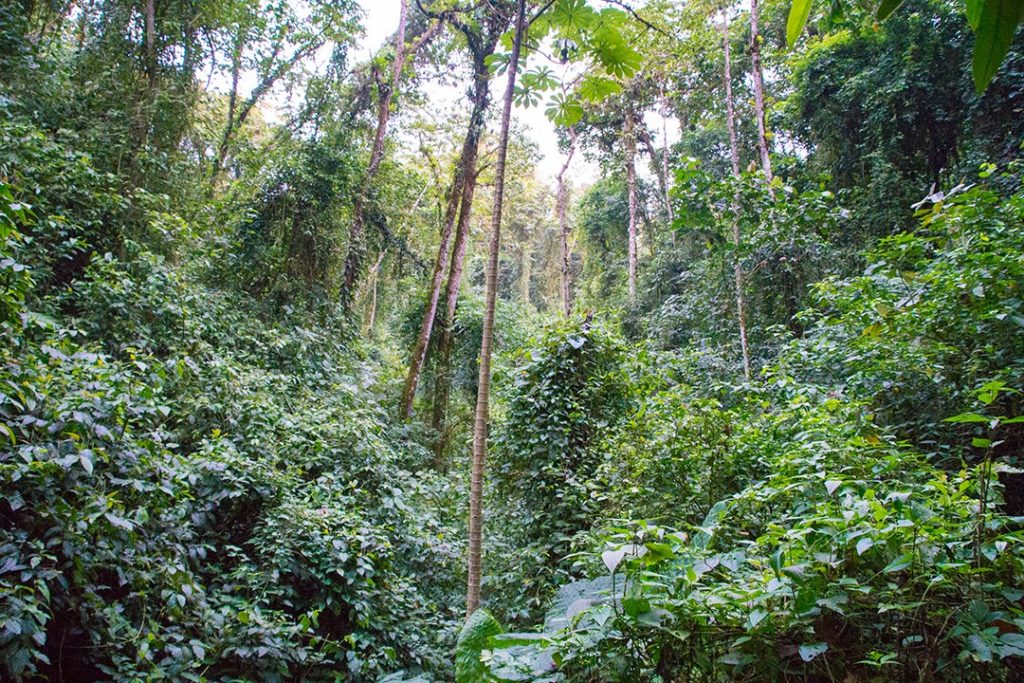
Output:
(195, 489)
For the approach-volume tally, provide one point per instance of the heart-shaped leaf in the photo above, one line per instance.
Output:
(613, 558)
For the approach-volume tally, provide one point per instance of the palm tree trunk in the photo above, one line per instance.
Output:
(734, 153)
(480, 422)
(357, 231)
(563, 226)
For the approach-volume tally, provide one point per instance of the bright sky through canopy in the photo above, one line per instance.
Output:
(380, 20)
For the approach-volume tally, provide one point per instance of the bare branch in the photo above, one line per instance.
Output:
(623, 5)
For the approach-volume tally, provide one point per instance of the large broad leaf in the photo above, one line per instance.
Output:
(811, 650)
(997, 22)
(612, 558)
(564, 111)
(974, 13)
(710, 525)
(967, 417)
(472, 640)
(614, 53)
(887, 7)
(520, 656)
(594, 88)
(577, 596)
(572, 16)
(798, 13)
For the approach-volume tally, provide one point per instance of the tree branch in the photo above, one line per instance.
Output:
(623, 5)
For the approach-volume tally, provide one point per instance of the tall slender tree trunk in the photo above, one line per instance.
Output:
(525, 269)
(357, 231)
(661, 171)
(665, 184)
(734, 153)
(629, 136)
(442, 376)
(563, 226)
(371, 313)
(151, 65)
(419, 351)
(229, 127)
(482, 416)
(759, 109)
(461, 199)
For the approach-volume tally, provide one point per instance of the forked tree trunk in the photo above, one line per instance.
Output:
(481, 418)
(629, 136)
(734, 153)
(229, 127)
(357, 231)
(758, 78)
(419, 351)
(461, 199)
(442, 376)
(563, 227)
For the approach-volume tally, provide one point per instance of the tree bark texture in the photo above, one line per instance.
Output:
(734, 154)
(482, 415)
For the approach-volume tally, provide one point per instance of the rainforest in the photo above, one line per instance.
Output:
(472, 341)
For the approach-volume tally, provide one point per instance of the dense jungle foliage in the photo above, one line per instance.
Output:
(757, 325)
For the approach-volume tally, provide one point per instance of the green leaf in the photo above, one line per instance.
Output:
(885, 8)
(798, 13)
(989, 391)
(119, 522)
(899, 564)
(974, 13)
(660, 550)
(997, 22)
(503, 641)
(564, 111)
(472, 640)
(612, 559)
(9, 433)
(710, 524)
(634, 607)
(811, 650)
(572, 15)
(756, 617)
(967, 417)
(596, 88)
(614, 53)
